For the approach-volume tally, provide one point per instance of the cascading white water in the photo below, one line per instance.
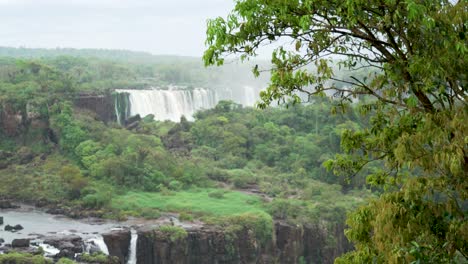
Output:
(169, 104)
(250, 96)
(49, 251)
(97, 241)
(132, 248)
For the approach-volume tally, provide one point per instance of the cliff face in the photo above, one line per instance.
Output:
(292, 244)
(118, 244)
(14, 123)
(102, 105)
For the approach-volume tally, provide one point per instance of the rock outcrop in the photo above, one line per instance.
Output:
(6, 204)
(101, 104)
(291, 244)
(68, 245)
(118, 243)
(20, 243)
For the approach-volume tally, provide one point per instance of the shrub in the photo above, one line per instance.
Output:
(284, 208)
(259, 222)
(241, 177)
(218, 194)
(174, 233)
(98, 258)
(218, 174)
(175, 185)
(149, 213)
(65, 261)
(185, 217)
(20, 258)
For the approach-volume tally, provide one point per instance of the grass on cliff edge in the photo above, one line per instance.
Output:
(199, 201)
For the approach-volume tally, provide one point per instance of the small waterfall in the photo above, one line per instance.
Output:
(49, 251)
(96, 243)
(133, 247)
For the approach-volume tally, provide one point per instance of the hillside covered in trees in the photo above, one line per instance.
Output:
(231, 162)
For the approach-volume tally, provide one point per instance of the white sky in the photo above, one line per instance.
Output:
(157, 26)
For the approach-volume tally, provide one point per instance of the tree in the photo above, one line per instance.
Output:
(415, 88)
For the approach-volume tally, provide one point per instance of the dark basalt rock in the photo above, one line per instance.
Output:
(102, 105)
(118, 243)
(56, 211)
(290, 245)
(68, 245)
(132, 119)
(20, 243)
(2, 241)
(1, 220)
(65, 253)
(5, 204)
(13, 228)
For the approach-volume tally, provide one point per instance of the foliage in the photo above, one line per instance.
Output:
(21, 258)
(174, 233)
(98, 258)
(65, 261)
(260, 223)
(415, 89)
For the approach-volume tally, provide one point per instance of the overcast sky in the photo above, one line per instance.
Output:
(157, 26)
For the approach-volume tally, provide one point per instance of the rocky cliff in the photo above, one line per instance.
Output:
(291, 244)
(118, 244)
(101, 104)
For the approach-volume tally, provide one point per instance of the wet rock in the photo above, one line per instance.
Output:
(65, 253)
(13, 228)
(56, 211)
(132, 119)
(118, 243)
(20, 243)
(133, 125)
(2, 241)
(1, 220)
(40, 203)
(68, 243)
(5, 204)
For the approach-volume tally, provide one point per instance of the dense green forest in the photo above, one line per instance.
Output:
(232, 162)
(371, 128)
(415, 54)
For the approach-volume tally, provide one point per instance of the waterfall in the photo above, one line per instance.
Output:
(250, 96)
(96, 243)
(133, 247)
(169, 104)
(49, 251)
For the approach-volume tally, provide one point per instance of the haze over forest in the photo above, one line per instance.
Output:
(160, 27)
